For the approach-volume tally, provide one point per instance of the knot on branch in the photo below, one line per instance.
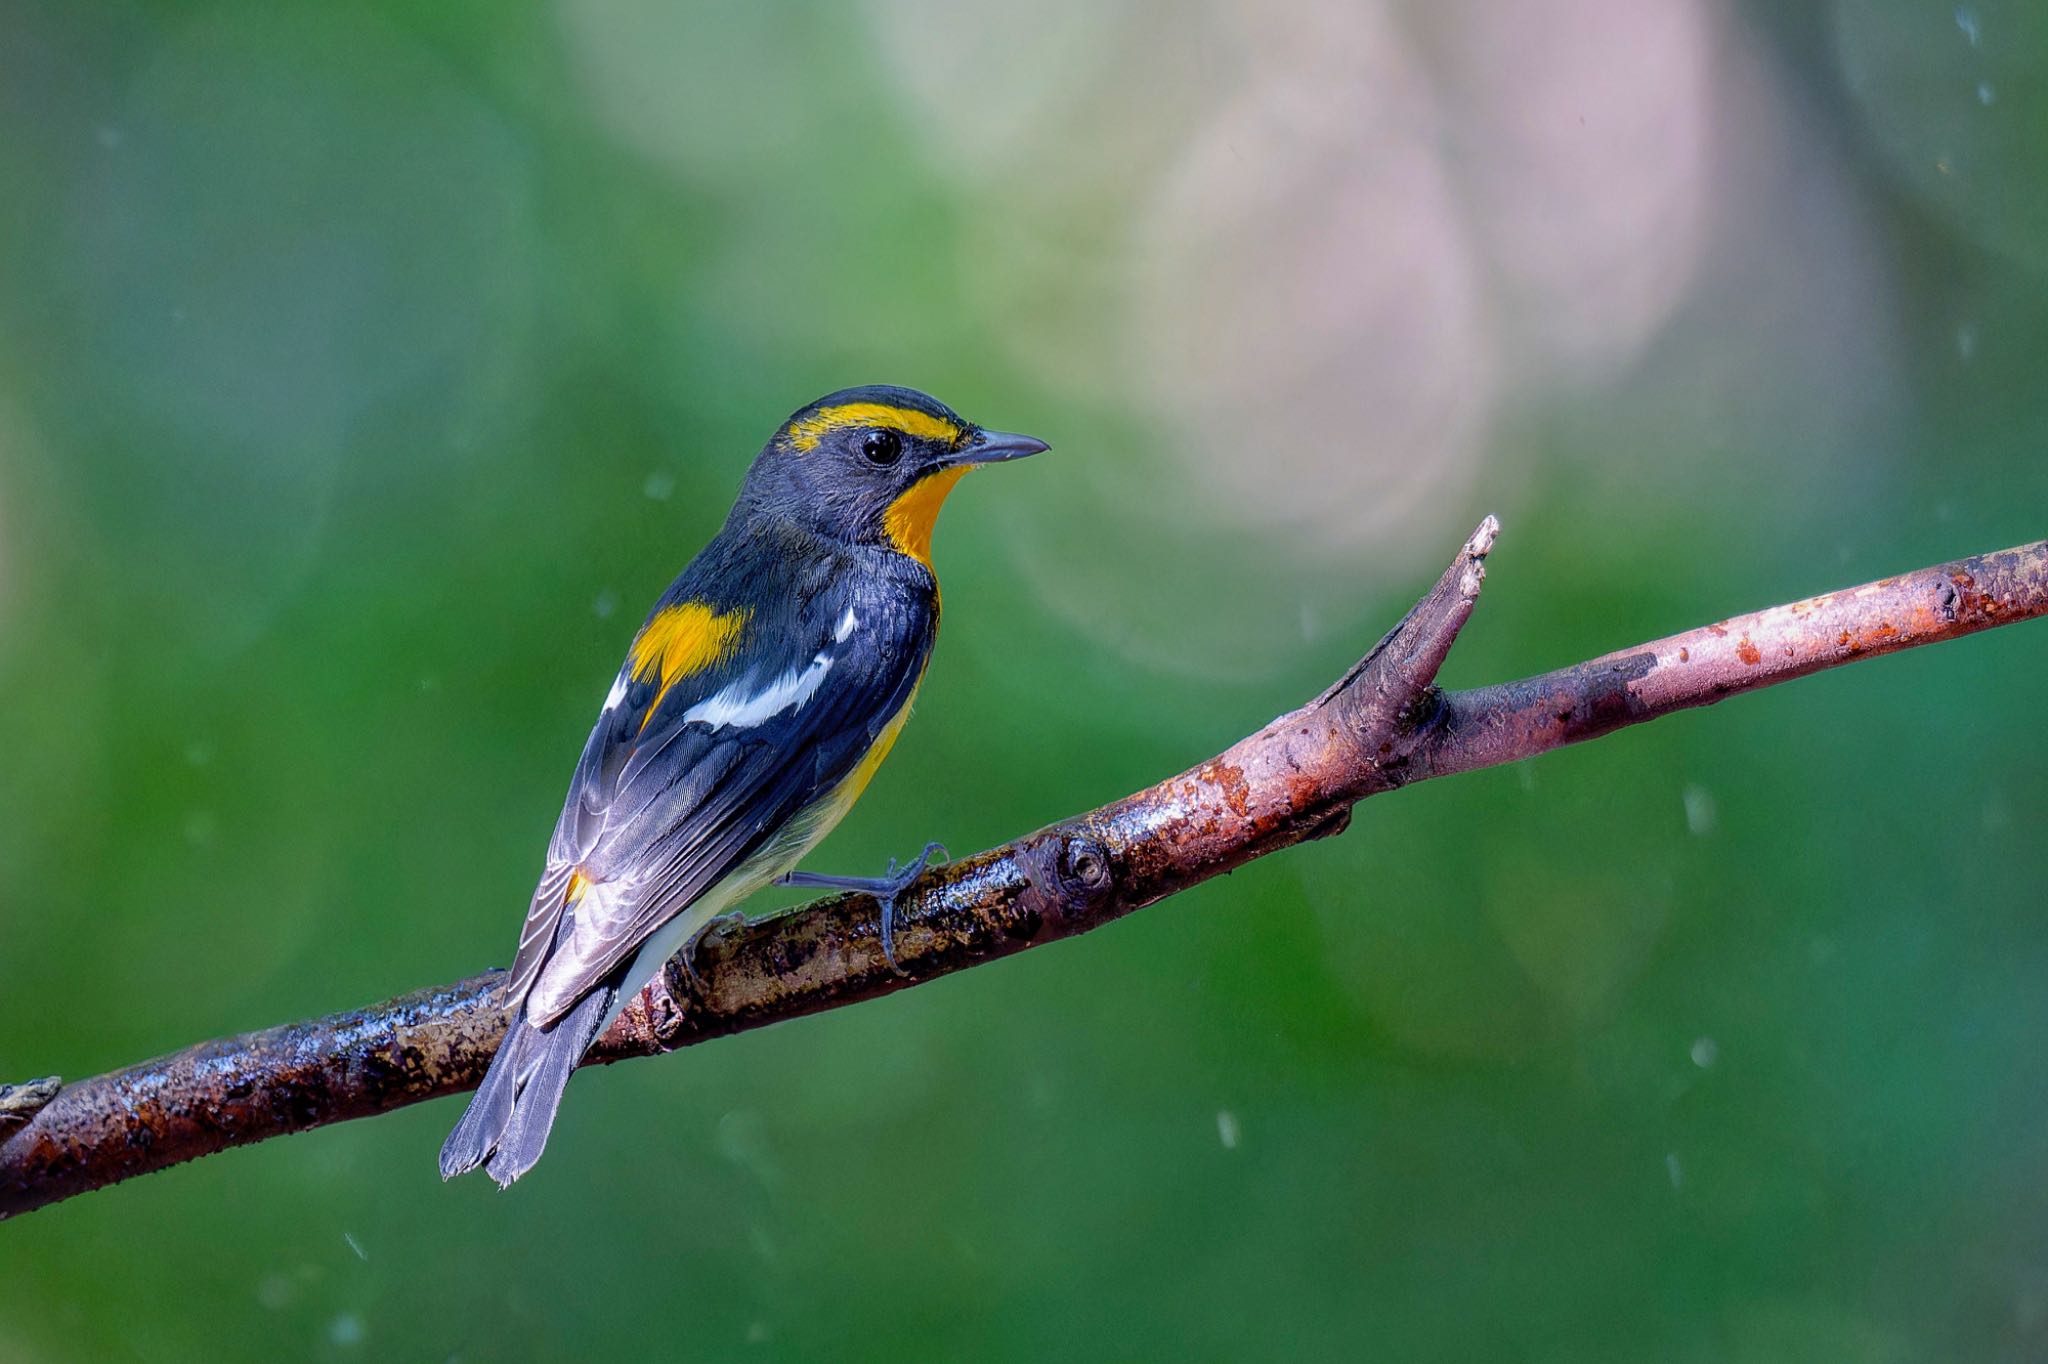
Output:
(1071, 876)
(1085, 878)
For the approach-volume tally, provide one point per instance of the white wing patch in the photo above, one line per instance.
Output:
(617, 693)
(742, 708)
(846, 626)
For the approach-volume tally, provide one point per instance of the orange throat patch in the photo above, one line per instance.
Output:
(912, 516)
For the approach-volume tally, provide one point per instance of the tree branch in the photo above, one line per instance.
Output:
(1384, 724)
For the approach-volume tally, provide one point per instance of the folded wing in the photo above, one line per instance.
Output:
(689, 774)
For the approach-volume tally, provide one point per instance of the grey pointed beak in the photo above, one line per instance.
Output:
(992, 447)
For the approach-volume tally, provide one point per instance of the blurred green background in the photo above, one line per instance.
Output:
(366, 370)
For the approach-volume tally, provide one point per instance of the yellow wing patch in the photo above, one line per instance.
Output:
(912, 515)
(806, 434)
(682, 641)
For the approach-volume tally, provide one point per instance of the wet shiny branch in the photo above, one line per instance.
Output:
(1383, 725)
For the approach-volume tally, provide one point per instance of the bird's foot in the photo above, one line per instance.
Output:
(886, 889)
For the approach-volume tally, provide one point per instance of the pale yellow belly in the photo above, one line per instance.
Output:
(781, 853)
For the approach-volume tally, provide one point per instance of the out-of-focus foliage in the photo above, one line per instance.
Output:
(365, 369)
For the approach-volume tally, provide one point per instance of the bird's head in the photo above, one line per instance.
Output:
(873, 465)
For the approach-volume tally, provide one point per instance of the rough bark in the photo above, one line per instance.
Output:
(1382, 725)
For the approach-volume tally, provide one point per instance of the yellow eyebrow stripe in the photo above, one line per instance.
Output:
(806, 434)
(682, 641)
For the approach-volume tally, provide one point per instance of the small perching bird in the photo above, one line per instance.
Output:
(755, 704)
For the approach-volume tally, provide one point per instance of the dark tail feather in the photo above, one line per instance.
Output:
(476, 1136)
(553, 1058)
(507, 1122)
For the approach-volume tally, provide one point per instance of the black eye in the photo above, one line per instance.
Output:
(882, 447)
